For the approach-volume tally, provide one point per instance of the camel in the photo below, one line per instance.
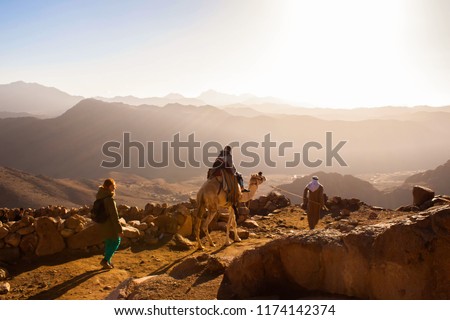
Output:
(210, 198)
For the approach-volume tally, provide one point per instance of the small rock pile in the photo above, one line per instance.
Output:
(339, 206)
(267, 204)
(423, 199)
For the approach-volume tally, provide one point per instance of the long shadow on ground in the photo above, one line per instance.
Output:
(57, 291)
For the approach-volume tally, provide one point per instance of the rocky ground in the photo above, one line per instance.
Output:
(183, 274)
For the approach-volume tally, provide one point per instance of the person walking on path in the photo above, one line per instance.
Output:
(313, 201)
(111, 230)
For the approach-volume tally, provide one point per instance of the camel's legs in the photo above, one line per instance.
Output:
(197, 227)
(232, 223)
(209, 217)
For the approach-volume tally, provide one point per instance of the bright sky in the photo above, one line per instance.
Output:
(347, 53)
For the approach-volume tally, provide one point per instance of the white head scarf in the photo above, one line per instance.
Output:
(314, 184)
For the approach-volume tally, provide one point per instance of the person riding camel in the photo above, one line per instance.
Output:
(225, 161)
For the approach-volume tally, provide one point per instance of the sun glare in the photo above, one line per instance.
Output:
(329, 48)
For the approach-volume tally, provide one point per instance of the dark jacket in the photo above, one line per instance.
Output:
(225, 161)
(111, 228)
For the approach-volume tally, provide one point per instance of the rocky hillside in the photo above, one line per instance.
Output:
(356, 251)
(22, 189)
(436, 179)
(396, 259)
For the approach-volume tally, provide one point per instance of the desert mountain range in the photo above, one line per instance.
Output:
(20, 99)
(69, 146)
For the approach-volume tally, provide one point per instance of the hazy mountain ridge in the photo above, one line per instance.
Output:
(8, 114)
(345, 186)
(41, 101)
(71, 144)
(437, 179)
(35, 99)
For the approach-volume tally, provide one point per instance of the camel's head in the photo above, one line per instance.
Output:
(257, 178)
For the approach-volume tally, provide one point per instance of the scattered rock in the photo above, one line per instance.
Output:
(373, 216)
(181, 243)
(75, 222)
(13, 239)
(269, 203)
(25, 230)
(131, 232)
(66, 233)
(408, 208)
(185, 229)
(251, 224)
(216, 265)
(3, 232)
(362, 263)
(50, 240)
(88, 237)
(345, 212)
(3, 274)
(243, 234)
(421, 195)
(5, 287)
(29, 243)
(166, 224)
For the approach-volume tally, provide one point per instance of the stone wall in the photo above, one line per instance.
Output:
(50, 230)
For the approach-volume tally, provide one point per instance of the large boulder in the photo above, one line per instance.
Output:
(181, 243)
(29, 243)
(166, 224)
(25, 230)
(422, 195)
(402, 259)
(75, 222)
(3, 274)
(141, 226)
(13, 239)
(89, 236)
(185, 229)
(66, 233)
(3, 232)
(50, 240)
(131, 232)
(4, 287)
